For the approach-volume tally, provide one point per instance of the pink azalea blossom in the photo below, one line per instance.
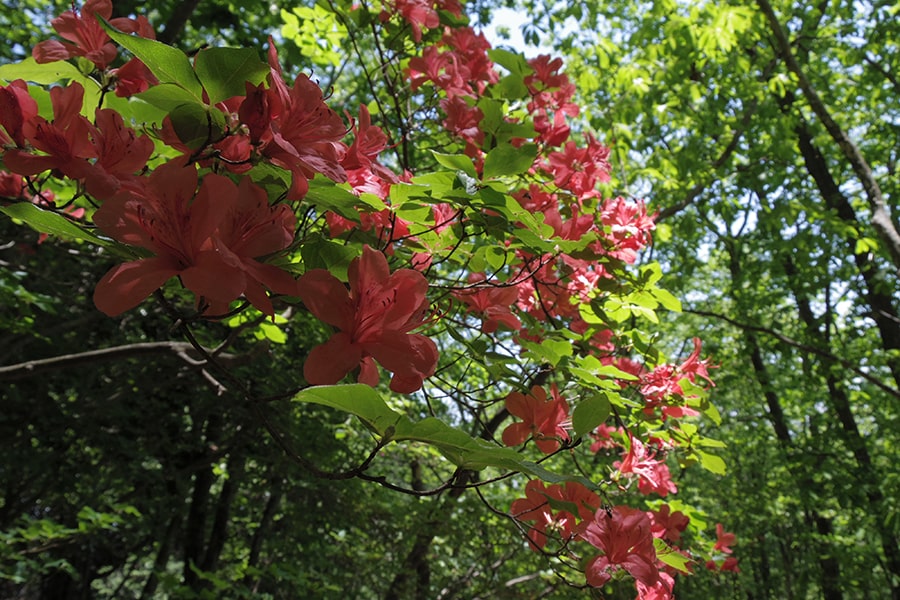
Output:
(17, 108)
(85, 37)
(492, 302)
(564, 523)
(544, 419)
(623, 534)
(724, 540)
(374, 319)
(653, 474)
(210, 238)
(666, 524)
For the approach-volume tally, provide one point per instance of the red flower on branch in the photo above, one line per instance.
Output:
(623, 534)
(209, 238)
(17, 108)
(120, 153)
(729, 564)
(666, 524)
(663, 383)
(653, 474)
(85, 37)
(249, 230)
(724, 540)
(133, 78)
(661, 590)
(374, 318)
(579, 169)
(303, 135)
(492, 302)
(418, 13)
(535, 506)
(65, 141)
(545, 420)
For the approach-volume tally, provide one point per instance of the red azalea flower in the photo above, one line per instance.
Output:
(603, 438)
(210, 238)
(168, 217)
(374, 318)
(627, 228)
(305, 135)
(133, 78)
(663, 383)
(85, 35)
(12, 185)
(251, 229)
(120, 153)
(730, 564)
(661, 590)
(623, 534)
(536, 507)
(653, 474)
(464, 121)
(723, 539)
(579, 169)
(667, 525)
(545, 420)
(17, 107)
(492, 302)
(419, 14)
(66, 141)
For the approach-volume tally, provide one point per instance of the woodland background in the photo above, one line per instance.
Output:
(770, 229)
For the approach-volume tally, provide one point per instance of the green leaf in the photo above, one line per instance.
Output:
(45, 221)
(590, 413)
(224, 71)
(671, 557)
(46, 73)
(457, 446)
(169, 64)
(197, 125)
(329, 255)
(711, 462)
(456, 162)
(168, 96)
(550, 351)
(666, 299)
(506, 159)
(327, 195)
(357, 399)
(511, 61)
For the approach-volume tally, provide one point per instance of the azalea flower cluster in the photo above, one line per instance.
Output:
(217, 234)
(571, 513)
(623, 534)
(200, 212)
(546, 286)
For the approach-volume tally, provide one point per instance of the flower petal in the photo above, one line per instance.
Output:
(328, 363)
(125, 285)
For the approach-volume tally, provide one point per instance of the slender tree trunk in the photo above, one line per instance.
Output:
(162, 558)
(219, 532)
(882, 308)
(195, 528)
(867, 472)
(179, 18)
(881, 218)
(829, 567)
(276, 491)
(416, 561)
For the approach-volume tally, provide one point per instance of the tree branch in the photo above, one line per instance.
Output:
(801, 346)
(881, 219)
(182, 350)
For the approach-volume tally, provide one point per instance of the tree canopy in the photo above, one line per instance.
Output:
(338, 299)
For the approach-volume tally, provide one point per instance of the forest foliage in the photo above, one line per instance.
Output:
(406, 334)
